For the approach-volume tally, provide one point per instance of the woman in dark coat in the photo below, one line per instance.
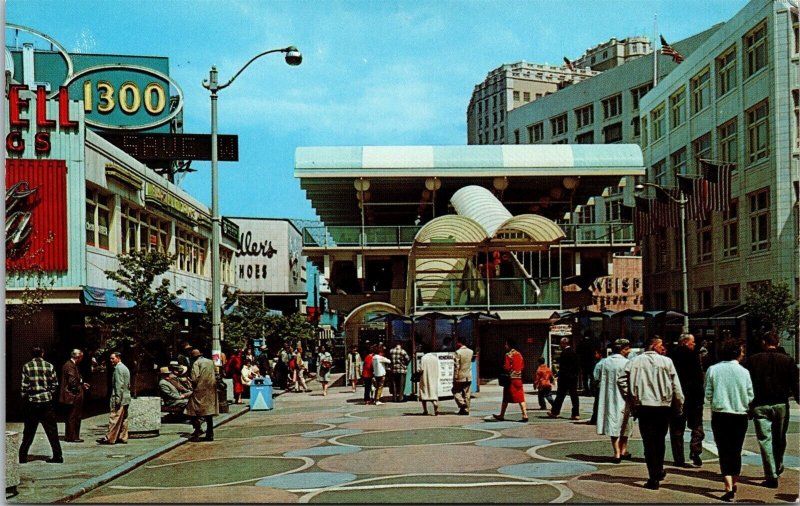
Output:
(233, 369)
(513, 391)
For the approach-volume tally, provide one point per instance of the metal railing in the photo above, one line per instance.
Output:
(487, 294)
(343, 236)
(598, 233)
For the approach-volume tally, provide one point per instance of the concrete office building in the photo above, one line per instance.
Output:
(734, 99)
(613, 53)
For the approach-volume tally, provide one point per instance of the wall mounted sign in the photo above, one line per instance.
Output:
(36, 215)
(157, 194)
(148, 146)
(21, 115)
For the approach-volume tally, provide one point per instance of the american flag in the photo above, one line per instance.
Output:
(695, 190)
(669, 51)
(665, 210)
(642, 220)
(718, 176)
(569, 64)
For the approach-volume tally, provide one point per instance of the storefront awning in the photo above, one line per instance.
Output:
(104, 297)
(190, 305)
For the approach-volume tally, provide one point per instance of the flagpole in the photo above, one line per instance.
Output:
(684, 270)
(655, 51)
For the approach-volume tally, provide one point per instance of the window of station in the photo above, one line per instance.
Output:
(728, 142)
(705, 298)
(755, 47)
(701, 90)
(638, 92)
(143, 231)
(538, 131)
(759, 220)
(516, 96)
(658, 123)
(701, 148)
(726, 71)
(643, 131)
(526, 96)
(585, 138)
(612, 133)
(757, 131)
(612, 106)
(730, 230)
(730, 293)
(226, 266)
(660, 171)
(677, 108)
(678, 159)
(584, 116)
(704, 241)
(559, 124)
(191, 251)
(614, 210)
(98, 218)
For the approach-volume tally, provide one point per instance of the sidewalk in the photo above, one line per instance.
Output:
(88, 465)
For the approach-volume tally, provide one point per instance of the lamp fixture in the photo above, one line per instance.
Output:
(570, 182)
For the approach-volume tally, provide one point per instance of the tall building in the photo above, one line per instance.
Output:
(734, 99)
(613, 53)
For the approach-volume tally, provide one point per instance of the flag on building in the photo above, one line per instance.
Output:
(569, 64)
(642, 219)
(695, 191)
(718, 176)
(665, 208)
(668, 50)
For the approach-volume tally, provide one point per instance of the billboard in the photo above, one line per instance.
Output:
(269, 260)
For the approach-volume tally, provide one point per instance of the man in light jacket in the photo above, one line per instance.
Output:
(120, 399)
(462, 376)
(204, 402)
(654, 392)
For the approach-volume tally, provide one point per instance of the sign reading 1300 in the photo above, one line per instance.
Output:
(128, 97)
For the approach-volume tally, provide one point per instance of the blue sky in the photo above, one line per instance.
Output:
(373, 73)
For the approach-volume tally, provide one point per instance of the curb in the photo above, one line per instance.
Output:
(92, 483)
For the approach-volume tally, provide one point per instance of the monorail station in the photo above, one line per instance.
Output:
(426, 243)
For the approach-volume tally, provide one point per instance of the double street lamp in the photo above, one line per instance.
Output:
(681, 201)
(293, 57)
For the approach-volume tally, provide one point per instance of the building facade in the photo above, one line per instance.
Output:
(734, 99)
(613, 53)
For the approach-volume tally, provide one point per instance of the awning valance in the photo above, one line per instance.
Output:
(104, 297)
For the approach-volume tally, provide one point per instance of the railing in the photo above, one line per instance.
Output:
(331, 237)
(598, 233)
(349, 236)
(491, 294)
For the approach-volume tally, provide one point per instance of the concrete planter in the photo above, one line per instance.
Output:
(13, 440)
(144, 416)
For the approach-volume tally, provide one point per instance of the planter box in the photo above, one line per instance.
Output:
(144, 416)
(13, 440)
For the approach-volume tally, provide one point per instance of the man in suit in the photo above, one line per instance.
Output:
(462, 376)
(71, 394)
(120, 400)
(568, 370)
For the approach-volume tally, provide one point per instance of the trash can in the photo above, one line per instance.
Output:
(261, 394)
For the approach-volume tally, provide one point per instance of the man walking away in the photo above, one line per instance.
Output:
(690, 374)
(120, 399)
(568, 371)
(462, 376)
(39, 383)
(398, 370)
(775, 378)
(653, 390)
(204, 402)
(71, 395)
(543, 381)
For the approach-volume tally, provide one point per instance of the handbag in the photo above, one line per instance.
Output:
(504, 379)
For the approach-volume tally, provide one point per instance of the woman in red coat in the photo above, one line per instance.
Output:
(233, 369)
(513, 391)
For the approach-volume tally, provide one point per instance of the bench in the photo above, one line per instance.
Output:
(172, 412)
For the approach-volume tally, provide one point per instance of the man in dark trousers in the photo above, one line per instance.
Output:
(775, 378)
(204, 401)
(39, 384)
(690, 374)
(71, 394)
(568, 371)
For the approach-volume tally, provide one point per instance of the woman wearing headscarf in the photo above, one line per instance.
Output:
(513, 391)
(729, 390)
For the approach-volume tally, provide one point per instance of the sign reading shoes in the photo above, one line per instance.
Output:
(126, 97)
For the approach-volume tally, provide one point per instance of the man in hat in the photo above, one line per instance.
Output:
(71, 395)
(179, 377)
(204, 402)
(169, 392)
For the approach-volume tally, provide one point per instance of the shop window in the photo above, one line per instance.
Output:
(98, 219)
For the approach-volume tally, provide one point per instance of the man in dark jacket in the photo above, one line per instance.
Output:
(568, 371)
(775, 378)
(39, 384)
(690, 374)
(71, 395)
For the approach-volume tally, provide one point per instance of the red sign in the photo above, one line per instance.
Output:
(36, 214)
(18, 118)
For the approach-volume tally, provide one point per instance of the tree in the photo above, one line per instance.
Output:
(772, 307)
(28, 273)
(148, 327)
(251, 320)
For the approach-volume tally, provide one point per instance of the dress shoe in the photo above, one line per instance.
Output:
(779, 471)
(663, 475)
(73, 440)
(626, 456)
(498, 418)
(23, 460)
(551, 414)
(728, 496)
(651, 484)
(104, 442)
(59, 460)
(194, 439)
(576, 417)
(769, 483)
(696, 460)
(463, 411)
(616, 460)
(524, 420)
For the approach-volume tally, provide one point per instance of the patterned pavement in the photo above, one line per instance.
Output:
(336, 450)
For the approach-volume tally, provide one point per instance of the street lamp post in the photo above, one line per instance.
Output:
(684, 271)
(293, 57)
